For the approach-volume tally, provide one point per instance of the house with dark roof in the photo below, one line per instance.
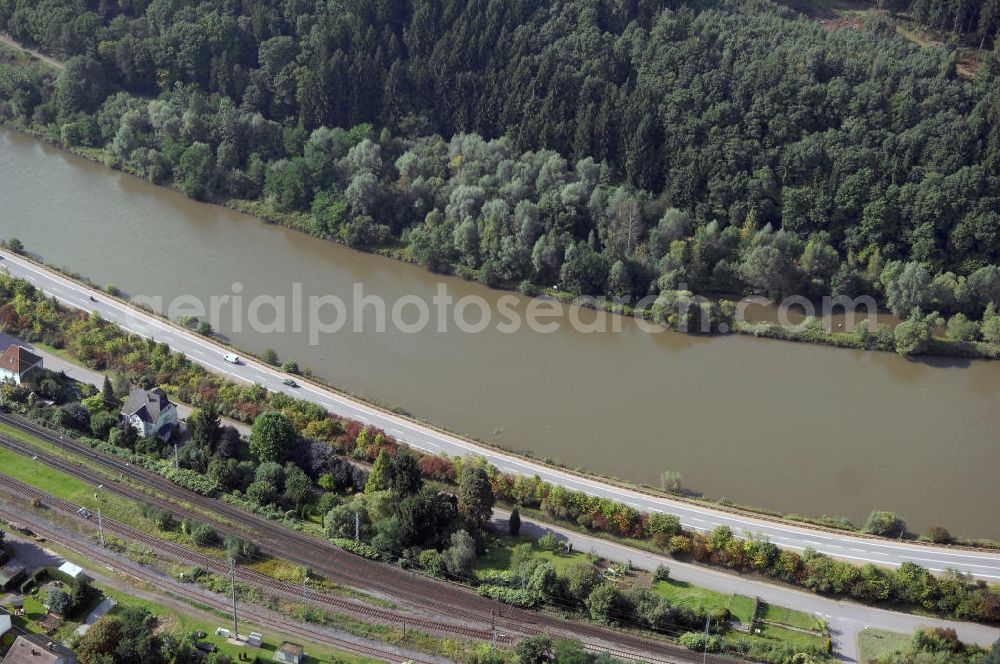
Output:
(20, 365)
(35, 649)
(150, 412)
(10, 574)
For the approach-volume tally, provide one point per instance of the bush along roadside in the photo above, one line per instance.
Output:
(882, 339)
(296, 446)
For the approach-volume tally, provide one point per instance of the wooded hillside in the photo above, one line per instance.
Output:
(605, 147)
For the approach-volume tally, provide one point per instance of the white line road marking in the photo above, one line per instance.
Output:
(421, 436)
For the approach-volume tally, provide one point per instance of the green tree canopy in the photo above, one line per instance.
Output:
(272, 436)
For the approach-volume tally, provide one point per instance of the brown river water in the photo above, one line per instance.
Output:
(794, 427)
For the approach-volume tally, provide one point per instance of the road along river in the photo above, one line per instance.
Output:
(797, 428)
(984, 565)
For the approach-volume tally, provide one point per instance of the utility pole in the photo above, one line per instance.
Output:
(493, 620)
(35, 459)
(232, 580)
(305, 594)
(100, 515)
(177, 463)
(708, 623)
(357, 527)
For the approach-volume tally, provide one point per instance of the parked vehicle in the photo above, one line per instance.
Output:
(85, 513)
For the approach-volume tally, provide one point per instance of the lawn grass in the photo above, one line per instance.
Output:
(681, 593)
(792, 637)
(282, 570)
(780, 614)
(175, 621)
(742, 608)
(873, 644)
(60, 484)
(67, 487)
(33, 612)
(501, 548)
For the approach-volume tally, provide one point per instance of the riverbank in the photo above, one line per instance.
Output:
(659, 398)
(569, 478)
(806, 331)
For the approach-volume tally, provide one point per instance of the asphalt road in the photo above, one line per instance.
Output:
(984, 565)
(845, 619)
(82, 374)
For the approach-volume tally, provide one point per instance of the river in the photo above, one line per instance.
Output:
(793, 427)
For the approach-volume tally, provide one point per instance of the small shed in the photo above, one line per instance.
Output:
(16, 606)
(71, 572)
(289, 653)
(10, 574)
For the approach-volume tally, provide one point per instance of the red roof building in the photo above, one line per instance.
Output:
(19, 364)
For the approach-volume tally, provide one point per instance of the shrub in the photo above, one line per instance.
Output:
(101, 424)
(496, 577)
(549, 542)
(160, 517)
(432, 562)
(240, 550)
(680, 545)
(937, 534)
(603, 603)
(885, 524)
(519, 597)
(671, 482)
(194, 481)
(698, 641)
(360, 548)
(59, 602)
(581, 579)
(203, 534)
(534, 650)
(514, 523)
(662, 573)
(458, 558)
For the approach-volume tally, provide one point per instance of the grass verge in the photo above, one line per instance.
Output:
(874, 644)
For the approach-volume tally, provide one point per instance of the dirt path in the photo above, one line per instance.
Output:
(52, 62)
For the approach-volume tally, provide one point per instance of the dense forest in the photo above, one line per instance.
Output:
(980, 18)
(605, 148)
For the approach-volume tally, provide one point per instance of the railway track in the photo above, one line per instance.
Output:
(250, 577)
(334, 563)
(418, 592)
(265, 619)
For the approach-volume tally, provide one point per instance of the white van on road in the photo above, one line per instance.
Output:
(232, 358)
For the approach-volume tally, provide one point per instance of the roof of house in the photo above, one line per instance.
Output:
(17, 359)
(70, 569)
(291, 648)
(9, 572)
(34, 649)
(5, 623)
(147, 405)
